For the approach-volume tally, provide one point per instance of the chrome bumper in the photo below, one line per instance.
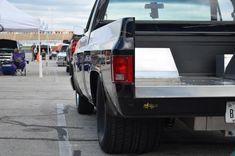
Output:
(184, 87)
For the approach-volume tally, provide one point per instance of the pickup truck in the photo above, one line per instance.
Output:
(6, 49)
(143, 64)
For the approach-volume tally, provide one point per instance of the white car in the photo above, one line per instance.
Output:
(61, 59)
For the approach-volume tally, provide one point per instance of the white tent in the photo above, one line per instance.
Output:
(13, 19)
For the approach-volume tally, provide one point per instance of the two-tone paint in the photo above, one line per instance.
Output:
(93, 60)
(93, 57)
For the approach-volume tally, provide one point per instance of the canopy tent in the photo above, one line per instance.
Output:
(13, 19)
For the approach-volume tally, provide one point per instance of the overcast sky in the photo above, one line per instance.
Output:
(59, 14)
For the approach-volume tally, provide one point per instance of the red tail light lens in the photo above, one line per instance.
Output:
(122, 68)
(74, 44)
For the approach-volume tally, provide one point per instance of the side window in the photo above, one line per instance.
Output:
(227, 10)
(91, 15)
(99, 14)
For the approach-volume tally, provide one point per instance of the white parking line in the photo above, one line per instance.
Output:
(64, 144)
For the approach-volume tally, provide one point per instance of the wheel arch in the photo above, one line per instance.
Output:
(94, 76)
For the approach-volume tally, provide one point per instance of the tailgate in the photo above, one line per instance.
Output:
(157, 76)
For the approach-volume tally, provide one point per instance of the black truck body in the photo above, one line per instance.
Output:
(187, 79)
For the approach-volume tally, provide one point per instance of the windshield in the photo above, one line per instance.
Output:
(171, 10)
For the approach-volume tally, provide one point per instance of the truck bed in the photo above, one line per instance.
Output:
(181, 64)
(184, 87)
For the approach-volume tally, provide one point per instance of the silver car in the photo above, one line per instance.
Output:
(61, 59)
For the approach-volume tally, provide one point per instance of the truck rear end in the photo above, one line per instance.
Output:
(183, 61)
(188, 73)
(159, 62)
(183, 66)
(185, 74)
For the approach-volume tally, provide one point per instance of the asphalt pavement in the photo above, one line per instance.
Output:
(38, 118)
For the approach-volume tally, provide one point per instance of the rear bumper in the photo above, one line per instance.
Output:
(185, 91)
(186, 97)
(173, 107)
(185, 87)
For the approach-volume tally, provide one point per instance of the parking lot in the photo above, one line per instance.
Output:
(38, 118)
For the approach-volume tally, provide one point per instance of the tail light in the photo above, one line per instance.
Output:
(122, 68)
(74, 44)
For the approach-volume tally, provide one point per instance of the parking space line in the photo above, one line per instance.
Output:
(64, 144)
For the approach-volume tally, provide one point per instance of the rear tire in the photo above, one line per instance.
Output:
(83, 105)
(118, 135)
(70, 70)
(67, 69)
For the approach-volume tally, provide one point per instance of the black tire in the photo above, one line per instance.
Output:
(118, 135)
(83, 105)
(67, 69)
(70, 70)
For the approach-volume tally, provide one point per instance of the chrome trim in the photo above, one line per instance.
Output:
(185, 91)
(192, 87)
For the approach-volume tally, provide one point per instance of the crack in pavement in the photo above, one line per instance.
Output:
(6, 120)
(62, 133)
(59, 129)
(65, 111)
(47, 139)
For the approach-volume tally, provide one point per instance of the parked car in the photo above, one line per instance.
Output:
(57, 49)
(61, 59)
(61, 56)
(145, 64)
(69, 56)
(10, 64)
